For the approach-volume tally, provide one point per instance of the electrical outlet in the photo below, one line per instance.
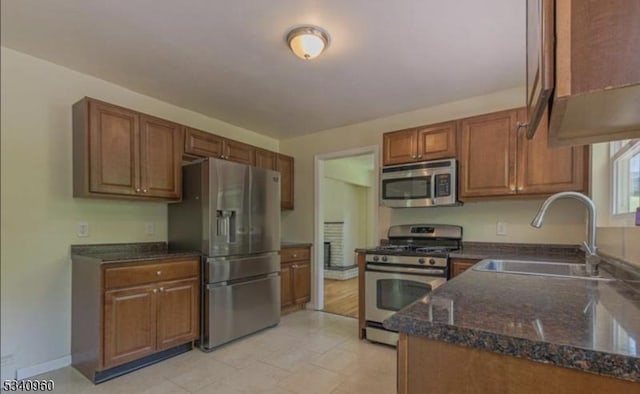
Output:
(501, 228)
(149, 228)
(83, 229)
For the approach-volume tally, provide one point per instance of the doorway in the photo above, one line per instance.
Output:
(346, 218)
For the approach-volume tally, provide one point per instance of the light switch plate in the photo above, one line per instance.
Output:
(501, 228)
(83, 229)
(149, 228)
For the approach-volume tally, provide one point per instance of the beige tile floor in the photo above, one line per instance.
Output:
(309, 352)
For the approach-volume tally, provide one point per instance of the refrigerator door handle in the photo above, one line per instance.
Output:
(216, 285)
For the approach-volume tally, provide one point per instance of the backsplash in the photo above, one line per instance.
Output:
(620, 242)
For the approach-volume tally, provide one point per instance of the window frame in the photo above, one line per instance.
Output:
(618, 151)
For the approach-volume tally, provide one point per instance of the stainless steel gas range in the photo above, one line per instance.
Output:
(415, 262)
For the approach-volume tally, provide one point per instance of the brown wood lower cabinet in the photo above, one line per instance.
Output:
(458, 266)
(178, 312)
(286, 289)
(426, 366)
(125, 311)
(295, 278)
(129, 324)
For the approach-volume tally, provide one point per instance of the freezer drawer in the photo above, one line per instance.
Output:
(235, 310)
(221, 269)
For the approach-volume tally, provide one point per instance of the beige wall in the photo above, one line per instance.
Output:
(39, 215)
(616, 235)
(565, 223)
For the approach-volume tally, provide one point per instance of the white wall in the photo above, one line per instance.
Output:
(565, 224)
(39, 215)
(336, 169)
(346, 202)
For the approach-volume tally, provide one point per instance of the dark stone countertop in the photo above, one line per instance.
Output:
(115, 253)
(588, 325)
(293, 244)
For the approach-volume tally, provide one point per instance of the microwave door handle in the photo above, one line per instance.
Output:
(432, 184)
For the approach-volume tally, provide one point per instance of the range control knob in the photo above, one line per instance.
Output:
(384, 258)
(421, 260)
(432, 261)
(376, 258)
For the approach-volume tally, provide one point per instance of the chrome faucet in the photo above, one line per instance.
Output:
(592, 258)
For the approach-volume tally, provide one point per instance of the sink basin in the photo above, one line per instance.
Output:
(539, 268)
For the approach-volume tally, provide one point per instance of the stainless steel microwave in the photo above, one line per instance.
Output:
(426, 184)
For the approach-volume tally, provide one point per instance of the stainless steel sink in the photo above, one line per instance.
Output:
(540, 268)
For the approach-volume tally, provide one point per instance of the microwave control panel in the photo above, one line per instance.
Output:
(443, 185)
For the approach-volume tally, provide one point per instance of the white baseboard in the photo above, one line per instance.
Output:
(27, 372)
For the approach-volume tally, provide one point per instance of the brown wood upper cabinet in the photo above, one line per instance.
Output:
(496, 159)
(597, 68)
(203, 144)
(540, 56)
(430, 142)
(120, 153)
(266, 159)
(285, 166)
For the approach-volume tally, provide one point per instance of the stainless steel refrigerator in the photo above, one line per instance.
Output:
(231, 213)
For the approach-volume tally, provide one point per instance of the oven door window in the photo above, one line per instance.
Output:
(406, 188)
(395, 294)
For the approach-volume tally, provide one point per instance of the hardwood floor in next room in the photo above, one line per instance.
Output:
(341, 297)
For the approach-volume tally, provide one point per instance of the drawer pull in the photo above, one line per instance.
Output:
(162, 289)
(155, 290)
(295, 255)
(159, 273)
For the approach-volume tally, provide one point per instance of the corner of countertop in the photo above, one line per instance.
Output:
(295, 244)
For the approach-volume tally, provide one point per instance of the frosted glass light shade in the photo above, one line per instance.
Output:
(307, 42)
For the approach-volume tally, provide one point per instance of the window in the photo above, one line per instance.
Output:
(625, 162)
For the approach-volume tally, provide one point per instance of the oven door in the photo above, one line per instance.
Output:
(388, 292)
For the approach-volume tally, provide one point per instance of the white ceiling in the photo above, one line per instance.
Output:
(228, 59)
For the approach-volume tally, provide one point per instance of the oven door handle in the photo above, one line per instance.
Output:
(406, 270)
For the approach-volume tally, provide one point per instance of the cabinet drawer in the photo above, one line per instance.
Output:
(138, 274)
(294, 254)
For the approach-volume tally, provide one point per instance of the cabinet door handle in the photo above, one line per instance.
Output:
(155, 290)
(162, 289)
(520, 125)
(414, 157)
(419, 156)
(512, 188)
(138, 190)
(295, 255)
(159, 273)
(144, 190)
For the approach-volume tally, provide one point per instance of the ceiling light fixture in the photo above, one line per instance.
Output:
(307, 42)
